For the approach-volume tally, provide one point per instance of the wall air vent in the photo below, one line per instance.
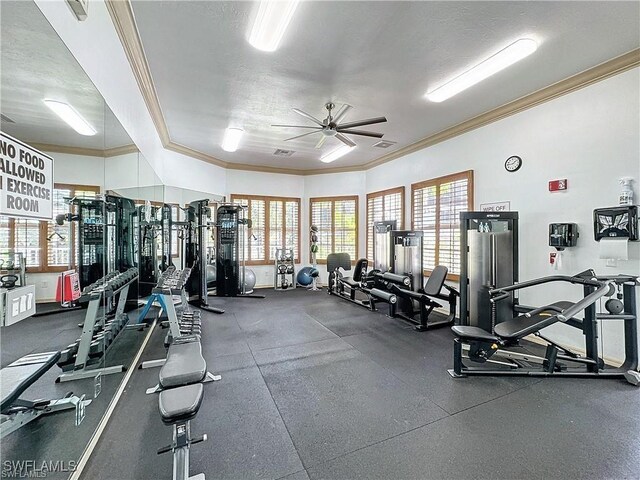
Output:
(283, 153)
(384, 144)
(5, 119)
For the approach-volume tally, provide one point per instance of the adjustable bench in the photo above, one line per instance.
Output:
(184, 365)
(178, 406)
(18, 377)
(181, 391)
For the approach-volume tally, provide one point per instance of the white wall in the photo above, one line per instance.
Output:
(269, 184)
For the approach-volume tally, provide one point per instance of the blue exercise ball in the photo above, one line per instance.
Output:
(306, 275)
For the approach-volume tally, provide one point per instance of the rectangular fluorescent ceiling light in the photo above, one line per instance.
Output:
(271, 23)
(69, 114)
(336, 154)
(501, 60)
(231, 139)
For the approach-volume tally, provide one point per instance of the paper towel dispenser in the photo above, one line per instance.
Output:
(563, 235)
(616, 222)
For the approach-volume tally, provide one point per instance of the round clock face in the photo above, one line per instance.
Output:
(513, 163)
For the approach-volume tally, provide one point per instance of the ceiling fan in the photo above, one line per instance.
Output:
(331, 126)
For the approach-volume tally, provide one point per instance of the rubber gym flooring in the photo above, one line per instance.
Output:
(315, 387)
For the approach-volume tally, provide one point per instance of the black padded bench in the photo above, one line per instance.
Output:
(180, 404)
(17, 377)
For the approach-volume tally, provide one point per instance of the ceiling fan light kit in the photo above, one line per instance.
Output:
(332, 126)
(271, 23)
(231, 139)
(507, 56)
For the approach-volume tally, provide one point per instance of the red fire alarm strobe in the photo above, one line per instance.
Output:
(557, 185)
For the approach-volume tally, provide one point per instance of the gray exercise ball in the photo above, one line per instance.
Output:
(249, 280)
(211, 276)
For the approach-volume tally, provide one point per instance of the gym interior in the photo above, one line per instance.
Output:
(319, 240)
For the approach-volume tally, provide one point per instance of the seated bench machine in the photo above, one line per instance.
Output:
(494, 349)
(17, 377)
(359, 282)
(180, 384)
(419, 302)
(98, 334)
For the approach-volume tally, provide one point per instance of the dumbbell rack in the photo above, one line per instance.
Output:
(184, 321)
(97, 333)
(284, 266)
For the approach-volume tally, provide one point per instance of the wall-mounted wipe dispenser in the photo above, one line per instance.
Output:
(614, 228)
(616, 222)
(563, 235)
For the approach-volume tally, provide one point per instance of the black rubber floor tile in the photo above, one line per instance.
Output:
(333, 399)
(422, 359)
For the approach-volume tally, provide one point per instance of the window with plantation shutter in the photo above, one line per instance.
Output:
(337, 222)
(46, 245)
(435, 209)
(275, 224)
(384, 205)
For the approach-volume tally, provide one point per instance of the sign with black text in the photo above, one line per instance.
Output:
(26, 180)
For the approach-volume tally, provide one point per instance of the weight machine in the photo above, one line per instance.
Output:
(398, 268)
(232, 229)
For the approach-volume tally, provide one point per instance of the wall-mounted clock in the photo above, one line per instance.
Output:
(513, 164)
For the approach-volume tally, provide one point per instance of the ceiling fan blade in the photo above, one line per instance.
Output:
(310, 117)
(361, 132)
(303, 135)
(361, 123)
(296, 126)
(342, 112)
(321, 141)
(345, 140)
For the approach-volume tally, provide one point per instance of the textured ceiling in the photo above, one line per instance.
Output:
(380, 57)
(37, 65)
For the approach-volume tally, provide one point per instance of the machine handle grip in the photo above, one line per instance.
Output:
(606, 289)
(500, 297)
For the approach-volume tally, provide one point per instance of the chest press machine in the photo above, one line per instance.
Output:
(497, 350)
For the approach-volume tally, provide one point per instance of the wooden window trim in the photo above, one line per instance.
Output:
(468, 175)
(333, 201)
(43, 267)
(267, 241)
(383, 193)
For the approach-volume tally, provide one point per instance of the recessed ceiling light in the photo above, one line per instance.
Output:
(271, 22)
(336, 154)
(231, 139)
(69, 114)
(505, 57)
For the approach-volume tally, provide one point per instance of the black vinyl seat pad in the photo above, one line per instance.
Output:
(180, 404)
(16, 377)
(522, 326)
(185, 364)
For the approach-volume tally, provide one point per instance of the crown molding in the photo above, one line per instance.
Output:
(580, 80)
(90, 152)
(124, 22)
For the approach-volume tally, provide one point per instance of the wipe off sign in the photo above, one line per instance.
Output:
(26, 180)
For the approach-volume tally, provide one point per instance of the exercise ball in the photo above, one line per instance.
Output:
(306, 275)
(249, 280)
(211, 276)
